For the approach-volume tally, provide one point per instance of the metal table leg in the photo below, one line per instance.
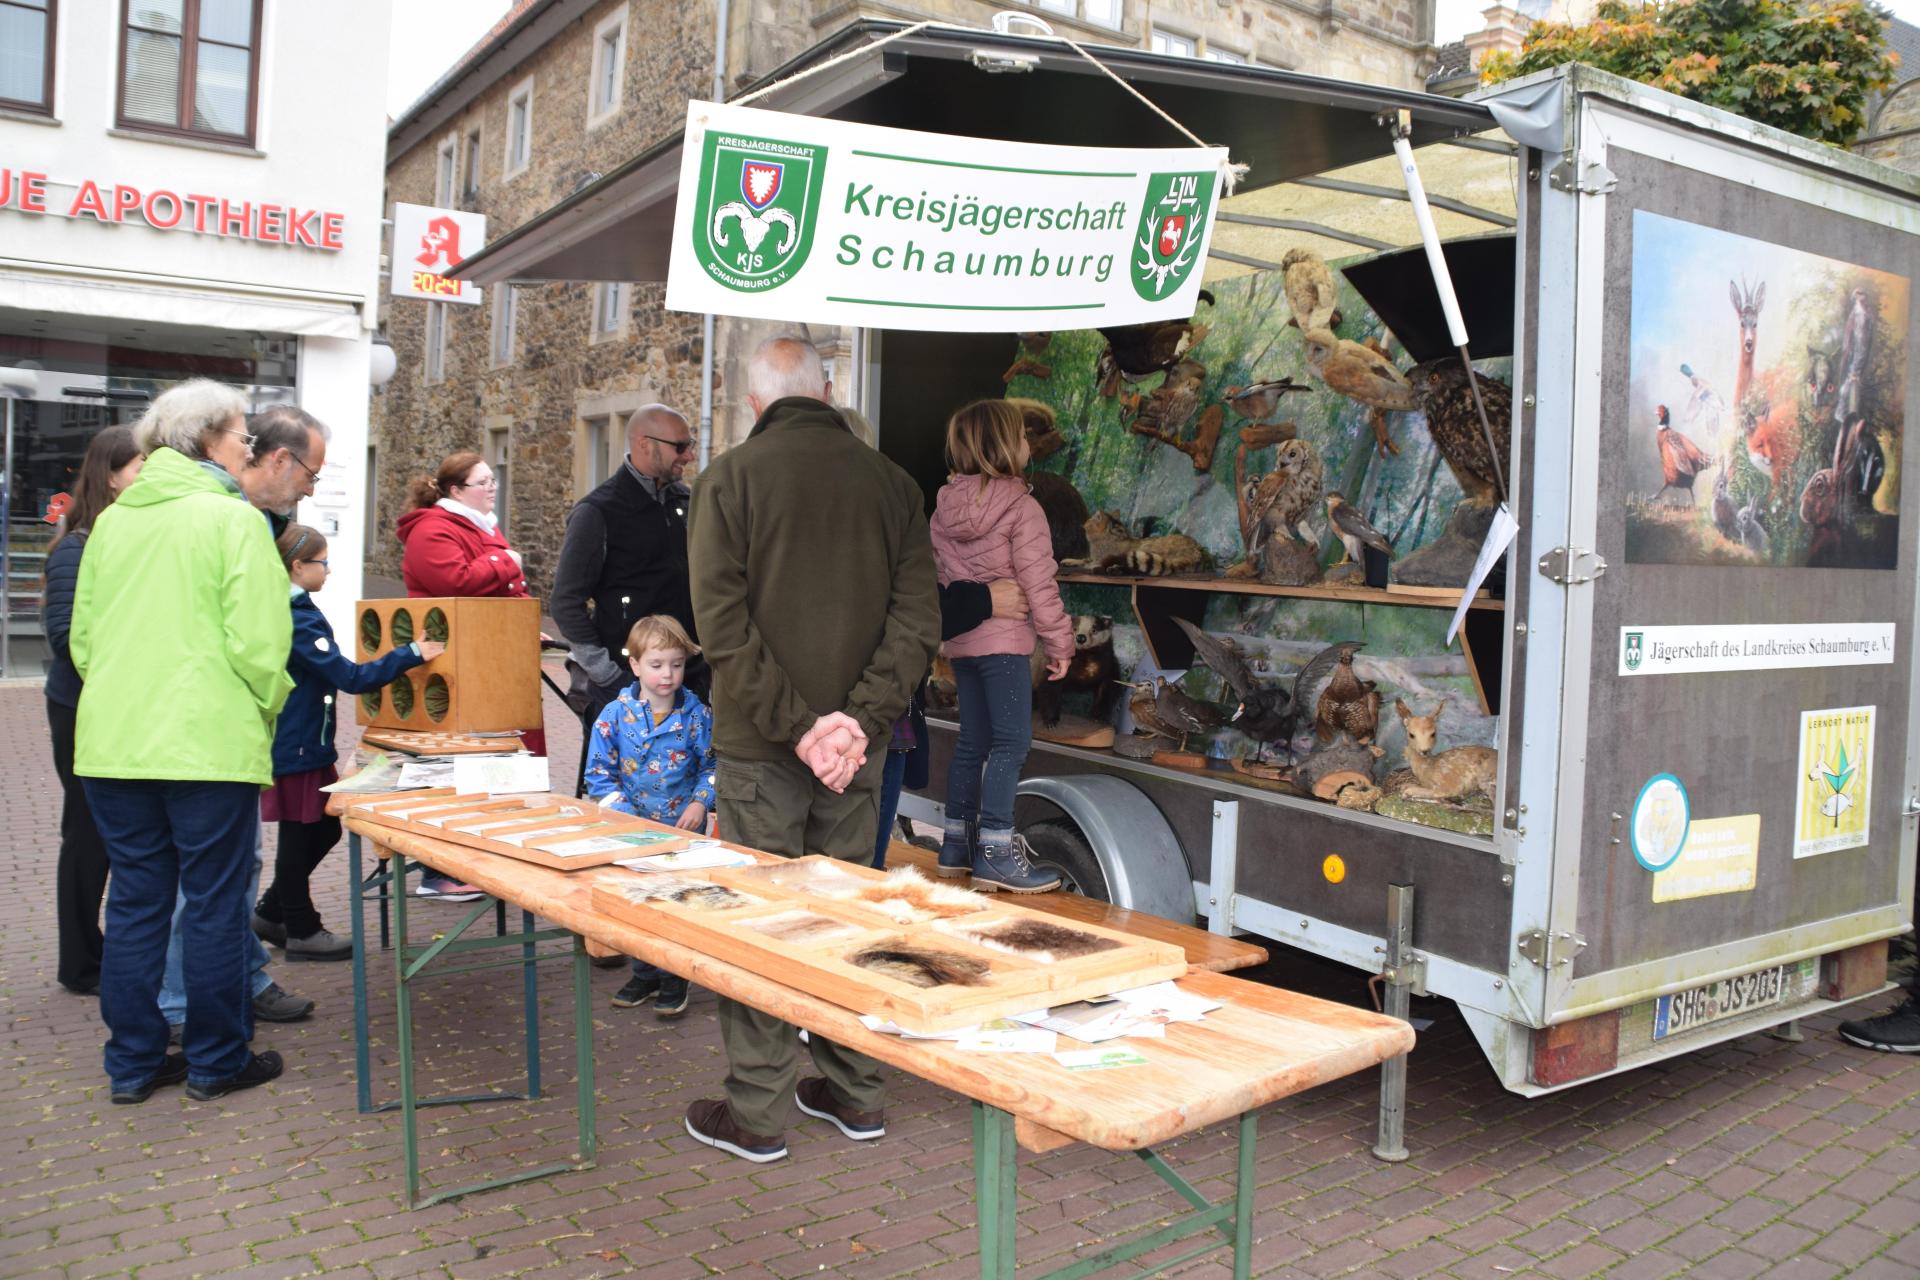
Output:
(997, 1199)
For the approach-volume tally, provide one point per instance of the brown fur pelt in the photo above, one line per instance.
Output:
(800, 927)
(709, 897)
(1040, 940)
(909, 898)
(922, 966)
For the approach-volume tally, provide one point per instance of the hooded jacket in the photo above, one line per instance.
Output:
(447, 554)
(303, 737)
(651, 770)
(996, 530)
(180, 631)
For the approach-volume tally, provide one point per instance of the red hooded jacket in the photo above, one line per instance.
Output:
(449, 555)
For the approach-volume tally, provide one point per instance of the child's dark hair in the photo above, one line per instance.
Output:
(300, 542)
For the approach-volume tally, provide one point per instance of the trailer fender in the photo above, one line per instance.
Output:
(1145, 867)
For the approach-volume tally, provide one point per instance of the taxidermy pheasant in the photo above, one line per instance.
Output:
(1362, 374)
(1312, 292)
(1681, 460)
(1261, 713)
(1453, 422)
(1138, 351)
(1353, 530)
(1349, 704)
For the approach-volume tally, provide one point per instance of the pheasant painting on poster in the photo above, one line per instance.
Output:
(1766, 396)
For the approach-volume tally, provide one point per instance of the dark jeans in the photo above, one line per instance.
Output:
(596, 701)
(164, 838)
(80, 876)
(289, 899)
(996, 730)
(892, 780)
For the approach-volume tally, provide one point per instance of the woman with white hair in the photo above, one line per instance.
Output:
(180, 632)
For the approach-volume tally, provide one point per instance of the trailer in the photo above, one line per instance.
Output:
(1703, 819)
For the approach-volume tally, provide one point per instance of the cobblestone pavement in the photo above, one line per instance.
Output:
(1756, 1158)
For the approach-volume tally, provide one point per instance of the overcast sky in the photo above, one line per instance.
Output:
(428, 35)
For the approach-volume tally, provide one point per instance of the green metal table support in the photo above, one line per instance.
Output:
(996, 1196)
(411, 964)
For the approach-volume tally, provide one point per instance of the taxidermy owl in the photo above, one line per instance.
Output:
(1440, 386)
(1311, 290)
(1279, 502)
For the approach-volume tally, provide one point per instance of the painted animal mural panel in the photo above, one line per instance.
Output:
(1766, 402)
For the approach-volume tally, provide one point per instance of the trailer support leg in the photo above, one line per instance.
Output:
(1392, 1144)
(1788, 1031)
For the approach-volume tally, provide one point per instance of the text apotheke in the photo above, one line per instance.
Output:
(26, 192)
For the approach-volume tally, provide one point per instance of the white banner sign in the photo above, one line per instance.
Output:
(1757, 646)
(428, 243)
(785, 217)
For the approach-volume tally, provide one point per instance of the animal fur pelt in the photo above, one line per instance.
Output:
(1066, 513)
(709, 897)
(922, 966)
(909, 897)
(801, 927)
(1040, 940)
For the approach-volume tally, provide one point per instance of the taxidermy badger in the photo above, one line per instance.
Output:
(1093, 667)
(1111, 548)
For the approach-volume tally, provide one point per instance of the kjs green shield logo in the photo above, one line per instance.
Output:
(755, 209)
(1172, 219)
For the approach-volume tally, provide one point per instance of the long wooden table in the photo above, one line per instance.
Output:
(1265, 1044)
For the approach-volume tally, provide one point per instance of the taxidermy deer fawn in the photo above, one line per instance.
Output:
(1448, 775)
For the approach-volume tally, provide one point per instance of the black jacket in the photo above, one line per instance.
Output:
(303, 734)
(56, 616)
(624, 557)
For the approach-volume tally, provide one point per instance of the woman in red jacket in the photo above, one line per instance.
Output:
(454, 547)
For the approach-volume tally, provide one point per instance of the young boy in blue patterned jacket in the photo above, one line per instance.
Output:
(651, 754)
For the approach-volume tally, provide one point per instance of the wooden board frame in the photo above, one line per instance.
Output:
(546, 823)
(419, 742)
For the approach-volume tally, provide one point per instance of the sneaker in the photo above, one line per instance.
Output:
(711, 1121)
(1895, 1032)
(277, 1004)
(173, 1069)
(261, 1068)
(1007, 864)
(447, 889)
(268, 931)
(815, 1097)
(672, 1000)
(636, 993)
(321, 944)
(956, 851)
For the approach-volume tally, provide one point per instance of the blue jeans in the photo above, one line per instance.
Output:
(996, 729)
(892, 780)
(165, 839)
(173, 987)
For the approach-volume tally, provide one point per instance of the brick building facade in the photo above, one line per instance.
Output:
(563, 90)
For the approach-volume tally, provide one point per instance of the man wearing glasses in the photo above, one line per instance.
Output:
(288, 446)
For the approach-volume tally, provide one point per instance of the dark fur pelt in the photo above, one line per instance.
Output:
(1066, 514)
(1041, 940)
(922, 966)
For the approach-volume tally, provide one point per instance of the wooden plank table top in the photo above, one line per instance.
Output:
(1266, 1044)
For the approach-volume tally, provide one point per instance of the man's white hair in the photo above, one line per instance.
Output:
(181, 416)
(786, 366)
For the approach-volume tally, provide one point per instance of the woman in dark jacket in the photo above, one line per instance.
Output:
(80, 876)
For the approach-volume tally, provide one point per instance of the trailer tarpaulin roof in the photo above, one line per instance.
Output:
(1283, 124)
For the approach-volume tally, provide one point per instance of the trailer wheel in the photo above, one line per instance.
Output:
(1060, 848)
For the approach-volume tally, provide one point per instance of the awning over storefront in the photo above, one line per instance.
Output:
(61, 289)
(1282, 124)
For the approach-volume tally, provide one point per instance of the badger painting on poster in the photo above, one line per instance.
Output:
(1767, 394)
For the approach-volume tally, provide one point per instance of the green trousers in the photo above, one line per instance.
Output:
(776, 806)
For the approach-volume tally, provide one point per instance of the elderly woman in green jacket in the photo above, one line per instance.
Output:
(181, 628)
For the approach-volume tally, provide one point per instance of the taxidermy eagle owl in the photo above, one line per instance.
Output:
(1440, 387)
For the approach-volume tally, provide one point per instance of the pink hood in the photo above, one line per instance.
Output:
(998, 531)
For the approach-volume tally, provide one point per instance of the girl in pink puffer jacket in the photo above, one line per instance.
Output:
(986, 526)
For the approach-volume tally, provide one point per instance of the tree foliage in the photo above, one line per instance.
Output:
(1805, 68)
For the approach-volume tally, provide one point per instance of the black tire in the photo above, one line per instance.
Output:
(1059, 847)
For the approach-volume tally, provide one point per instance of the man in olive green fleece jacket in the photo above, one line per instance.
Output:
(817, 606)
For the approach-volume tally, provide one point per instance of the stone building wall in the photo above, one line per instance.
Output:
(1895, 134)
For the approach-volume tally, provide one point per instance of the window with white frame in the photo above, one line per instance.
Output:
(436, 341)
(608, 71)
(519, 127)
(609, 310)
(499, 456)
(505, 321)
(1104, 12)
(1178, 45)
(445, 162)
(1216, 54)
(470, 170)
(597, 435)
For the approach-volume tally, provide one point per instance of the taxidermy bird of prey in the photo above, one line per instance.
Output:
(1681, 460)
(1348, 704)
(1312, 293)
(1362, 374)
(1280, 501)
(1355, 534)
(1306, 684)
(1138, 351)
(1261, 713)
(1261, 401)
(1162, 708)
(1440, 387)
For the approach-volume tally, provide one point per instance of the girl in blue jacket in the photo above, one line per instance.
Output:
(304, 755)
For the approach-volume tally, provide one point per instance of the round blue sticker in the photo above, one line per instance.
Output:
(1659, 822)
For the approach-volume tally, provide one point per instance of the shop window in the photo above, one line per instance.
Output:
(1177, 45)
(470, 187)
(609, 66)
(499, 455)
(436, 369)
(26, 55)
(190, 67)
(609, 310)
(519, 127)
(505, 321)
